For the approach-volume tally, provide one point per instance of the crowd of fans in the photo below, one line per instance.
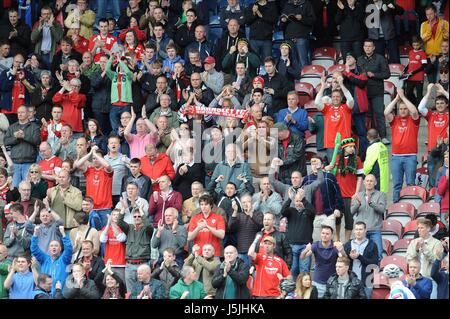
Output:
(161, 149)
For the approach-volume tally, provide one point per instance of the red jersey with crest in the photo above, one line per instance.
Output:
(437, 127)
(416, 59)
(404, 135)
(266, 282)
(99, 187)
(205, 236)
(109, 41)
(48, 167)
(337, 119)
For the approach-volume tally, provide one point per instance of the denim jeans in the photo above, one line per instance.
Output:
(102, 6)
(321, 288)
(303, 51)
(402, 165)
(103, 213)
(20, 173)
(375, 236)
(262, 48)
(299, 265)
(114, 115)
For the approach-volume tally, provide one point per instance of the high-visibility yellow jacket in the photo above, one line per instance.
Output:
(433, 44)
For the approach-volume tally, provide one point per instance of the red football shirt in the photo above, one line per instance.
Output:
(347, 182)
(416, 59)
(437, 127)
(266, 281)
(99, 187)
(109, 41)
(337, 120)
(48, 167)
(204, 236)
(404, 135)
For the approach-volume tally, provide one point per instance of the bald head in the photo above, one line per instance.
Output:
(372, 134)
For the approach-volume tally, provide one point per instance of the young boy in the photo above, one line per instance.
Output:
(172, 58)
(415, 71)
(87, 206)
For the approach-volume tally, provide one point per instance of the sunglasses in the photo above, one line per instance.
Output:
(444, 71)
(135, 217)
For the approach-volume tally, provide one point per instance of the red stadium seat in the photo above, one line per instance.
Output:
(389, 92)
(336, 68)
(325, 56)
(311, 141)
(428, 208)
(403, 212)
(396, 260)
(380, 280)
(311, 108)
(387, 247)
(401, 246)
(312, 74)
(404, 54)
(410, 229)
(392, 230)
(415, 195)
(305, 92)
(431, 194)
(381, 293)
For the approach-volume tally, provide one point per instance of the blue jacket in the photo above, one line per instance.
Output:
(301, 121)
(6, 86)
(369, 257)
(441, 278)
(330, 192)
(422, 289)
(170, 63)
(162, 45)
(205, 48)
(57, 268)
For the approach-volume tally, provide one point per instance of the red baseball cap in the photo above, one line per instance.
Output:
(210, 60)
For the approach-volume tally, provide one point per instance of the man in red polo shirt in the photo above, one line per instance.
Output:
(338, 115)
(270, 269)
(207, 227)
(437, 122)
(49, 163)
(99, 177)
(102, 43)
(155, 164)
(405, 130)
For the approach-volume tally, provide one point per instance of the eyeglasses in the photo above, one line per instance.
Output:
(444, 71)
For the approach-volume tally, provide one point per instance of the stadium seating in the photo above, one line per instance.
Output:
(391, 230)
(387, 247)
(415, 195)
(428, 208)
(311, 108)
(312, 74)
(401, 246)
(336, 68)
(325, 56)
(305, 92)
(400, 261)
(389, 92)
(431, 194)
(410, 229)
(403, 212)
(396, 70)
(404, 54)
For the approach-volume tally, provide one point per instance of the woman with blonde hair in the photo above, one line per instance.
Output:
(39, 185)
(304, 288)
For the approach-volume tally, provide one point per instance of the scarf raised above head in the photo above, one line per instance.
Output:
(245, 115)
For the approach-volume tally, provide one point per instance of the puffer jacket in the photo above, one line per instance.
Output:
(354, 289)
(23, 150)
(238, 273)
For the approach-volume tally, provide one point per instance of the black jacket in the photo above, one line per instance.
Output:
(282, 248)
(223, 45)
(386, 19)
(369, 257)
(293, 28)
(378, 65)
(89, 290)
(19, 44)
(281, 86)
(351, 22)
(185, 35)
(101, 99)
(239, 273)
(43, 103)
(57, 59)
(300, 222)
(245, 228)
(261, 28)
(96, 274)
(295, 158)
(124, 19)
(354, 290)
(182, 183)
(23, 150)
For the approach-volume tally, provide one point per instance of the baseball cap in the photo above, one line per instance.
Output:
(243, 40)
(280, 126)
(350, 53)
(271, 239)
(209, 60)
